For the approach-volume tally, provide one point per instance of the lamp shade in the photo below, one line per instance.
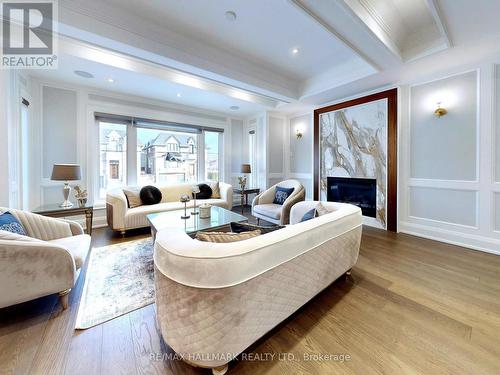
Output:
(66, 172)
(245, 168)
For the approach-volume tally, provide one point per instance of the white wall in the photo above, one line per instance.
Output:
(299, 164)
(447, 166)
(64, 123)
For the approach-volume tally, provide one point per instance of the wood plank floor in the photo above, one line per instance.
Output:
(411, 306)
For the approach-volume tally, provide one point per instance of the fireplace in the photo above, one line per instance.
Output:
(361, 192)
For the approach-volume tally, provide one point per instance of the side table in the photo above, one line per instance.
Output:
(54, 210)
(244, 195)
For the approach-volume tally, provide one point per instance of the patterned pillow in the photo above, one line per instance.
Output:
(281, 194)
(133, 197)
(215, 189)
(311, 214)
(222, 237)
(245, 227)
(9, 223)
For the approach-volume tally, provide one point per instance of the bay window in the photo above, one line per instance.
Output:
(142, 152)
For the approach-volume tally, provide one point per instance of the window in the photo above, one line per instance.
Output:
(113, 156)
(143, 152)
(165, 156)
(211, 155)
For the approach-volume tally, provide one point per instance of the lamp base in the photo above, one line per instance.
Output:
(66, 204)
(66, 191)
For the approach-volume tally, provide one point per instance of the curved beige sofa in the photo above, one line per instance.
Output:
(121, 218)
(214, 300)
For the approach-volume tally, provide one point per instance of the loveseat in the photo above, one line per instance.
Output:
(216, 299)
(122, 218)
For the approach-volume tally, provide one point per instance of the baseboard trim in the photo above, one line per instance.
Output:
(474, 242)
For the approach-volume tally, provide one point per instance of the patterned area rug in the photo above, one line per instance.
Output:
(120, 279)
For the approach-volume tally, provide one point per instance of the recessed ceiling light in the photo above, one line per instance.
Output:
(295, 50)
(111, 80)
(231, 16)
(83, 74)
(179, 95)
(234, 107)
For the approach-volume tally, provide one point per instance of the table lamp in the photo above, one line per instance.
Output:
(245, 168)
(66, 173)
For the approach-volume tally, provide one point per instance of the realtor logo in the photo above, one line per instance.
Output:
(28, 37)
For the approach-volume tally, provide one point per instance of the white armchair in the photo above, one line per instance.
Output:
(264, 208)
(48, 260)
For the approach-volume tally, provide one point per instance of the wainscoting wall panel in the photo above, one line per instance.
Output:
(445, 205)
(445, 148)
(497, 123)
(59, 127)
(497, 211)
(447, 174)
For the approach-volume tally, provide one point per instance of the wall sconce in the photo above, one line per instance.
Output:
(298, 133)
(439, 112)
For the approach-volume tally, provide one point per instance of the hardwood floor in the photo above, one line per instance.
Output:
(411, 306)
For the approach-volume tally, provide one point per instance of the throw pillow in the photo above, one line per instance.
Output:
(281, 194)
(322, 210)
(133, 197)
(245, 227)
(150, 195)
(9, 223)
(311, 214)
(215, 189)
(224, 237)
(205, 192)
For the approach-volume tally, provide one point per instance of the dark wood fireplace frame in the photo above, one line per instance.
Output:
(392, 148)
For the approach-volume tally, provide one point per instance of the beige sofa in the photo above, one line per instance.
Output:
(47, 261)
(264, 208)
(216, 299)
(121, 218)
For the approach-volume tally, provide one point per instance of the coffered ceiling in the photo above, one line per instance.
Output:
(275, 54)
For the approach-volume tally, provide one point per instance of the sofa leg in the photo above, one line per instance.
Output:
(348, 272)
(64, 298)
(122, 233)
(221, 370)
(258, 221)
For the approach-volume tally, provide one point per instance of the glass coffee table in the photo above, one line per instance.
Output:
(219, 218)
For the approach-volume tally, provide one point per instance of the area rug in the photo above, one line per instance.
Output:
(120, 279)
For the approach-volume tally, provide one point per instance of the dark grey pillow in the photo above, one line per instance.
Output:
(245, 227)
(205, 192)
(311, 214)
(150, 195)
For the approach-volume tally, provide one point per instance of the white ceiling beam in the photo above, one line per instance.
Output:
(440, 23)
(304, 9)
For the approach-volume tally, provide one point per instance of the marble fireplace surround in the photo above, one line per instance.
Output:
(358, 138)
